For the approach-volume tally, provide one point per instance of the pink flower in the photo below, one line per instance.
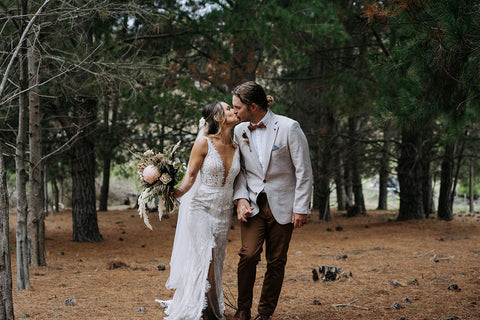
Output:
(150, 174)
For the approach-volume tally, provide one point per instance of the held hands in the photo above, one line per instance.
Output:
(299, 220)
(244, 210)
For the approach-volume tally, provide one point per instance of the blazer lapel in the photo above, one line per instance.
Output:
(250, 149)
(269, 140)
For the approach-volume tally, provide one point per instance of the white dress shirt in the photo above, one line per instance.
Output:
(258, 138)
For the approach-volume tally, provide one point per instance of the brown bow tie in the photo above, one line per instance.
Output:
(257, 126)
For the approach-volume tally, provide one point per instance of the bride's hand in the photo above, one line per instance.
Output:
(244, 210)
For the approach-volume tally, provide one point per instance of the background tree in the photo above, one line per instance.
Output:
(36, 219)
(433, 43)
(23, 279)
(6, 302)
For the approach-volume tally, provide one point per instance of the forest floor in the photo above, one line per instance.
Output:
(430, 268)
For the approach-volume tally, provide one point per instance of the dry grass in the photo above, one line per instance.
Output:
(119, 278)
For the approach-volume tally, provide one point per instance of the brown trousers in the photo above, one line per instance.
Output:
(259, 229)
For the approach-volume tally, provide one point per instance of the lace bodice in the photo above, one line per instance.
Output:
(213, 170)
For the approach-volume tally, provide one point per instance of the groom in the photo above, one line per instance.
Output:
(273, 192)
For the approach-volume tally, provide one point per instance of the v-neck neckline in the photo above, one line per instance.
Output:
(225, 172)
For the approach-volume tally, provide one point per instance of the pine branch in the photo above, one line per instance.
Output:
(19, 45)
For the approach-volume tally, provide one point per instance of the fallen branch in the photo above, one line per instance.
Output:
(447, 258)
(350, 304)
(425, 254)
(436, 259)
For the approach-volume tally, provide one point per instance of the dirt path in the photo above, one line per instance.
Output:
(119, 278)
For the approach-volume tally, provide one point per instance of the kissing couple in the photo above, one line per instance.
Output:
(265, 169)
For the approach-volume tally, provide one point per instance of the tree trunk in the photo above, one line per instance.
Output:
(348, 182)
(23, 280)
(426, 161)
(61, 193)
(325, 145)
(445, 198)
(110, 145)
(409, 176)
(427, 188)
(55, 194)
(384, 172)
(106, 156)
(354, 159)
(321, 190)
(340, 173)
(6, 301)
(84, 213)
(321, 196)
(427, 191)
(45, 189)
(340, 184)
(470, 187)
(36, 216)
(103, 206)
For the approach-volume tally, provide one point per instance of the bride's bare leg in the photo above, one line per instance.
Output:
(212, 312)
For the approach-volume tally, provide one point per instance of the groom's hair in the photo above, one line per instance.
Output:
(251, 92)
(209, 112)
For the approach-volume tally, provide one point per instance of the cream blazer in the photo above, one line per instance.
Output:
(287, 176)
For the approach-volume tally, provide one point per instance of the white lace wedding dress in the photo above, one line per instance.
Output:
(196, 266)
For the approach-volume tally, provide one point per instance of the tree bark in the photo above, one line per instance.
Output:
(103, 205)
(384, 172)
(409, 176)
(325, 144)
(427, 189)
(84, 213)
(354, 159)
(36, 214)
(445, 198)
(470, 187)
(6, 300)
(109, 146)
(23, 279)
(340, 183)
(45, 189)
(348, 182)
(342, 199)
(322, 196)
(55, 194)
(106, 156)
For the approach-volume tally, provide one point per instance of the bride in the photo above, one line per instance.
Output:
(199, 248)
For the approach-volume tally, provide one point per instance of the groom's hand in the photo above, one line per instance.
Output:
(244, 210)
(299, 220)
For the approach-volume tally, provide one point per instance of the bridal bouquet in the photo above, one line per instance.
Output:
(159, 173)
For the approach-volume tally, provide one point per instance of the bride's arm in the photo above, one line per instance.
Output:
(199, 151)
